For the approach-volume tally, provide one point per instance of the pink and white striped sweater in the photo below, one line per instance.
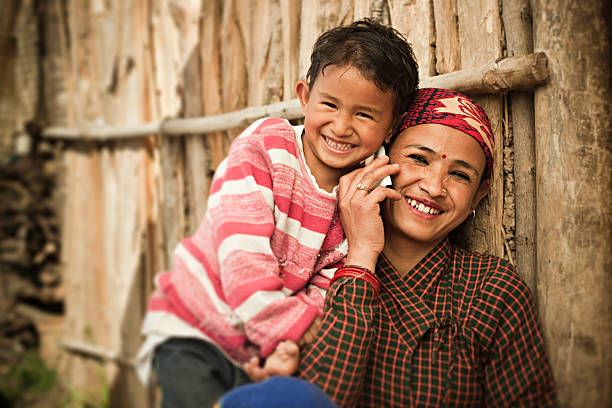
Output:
(256, 270)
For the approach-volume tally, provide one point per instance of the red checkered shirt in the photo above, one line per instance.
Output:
(460, 330)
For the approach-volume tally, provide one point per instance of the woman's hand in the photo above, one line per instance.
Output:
(360, 211)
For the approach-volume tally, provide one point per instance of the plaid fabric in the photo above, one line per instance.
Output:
(460, 330)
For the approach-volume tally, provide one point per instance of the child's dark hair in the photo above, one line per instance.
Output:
(379, 52)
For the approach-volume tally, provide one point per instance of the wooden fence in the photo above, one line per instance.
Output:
(129, 73)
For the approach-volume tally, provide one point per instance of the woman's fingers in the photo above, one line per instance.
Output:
(366, 179)
(371, 179)
(381, 193)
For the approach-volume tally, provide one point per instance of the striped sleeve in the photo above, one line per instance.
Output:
(241, 216)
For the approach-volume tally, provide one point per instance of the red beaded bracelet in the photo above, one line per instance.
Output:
(358, 272)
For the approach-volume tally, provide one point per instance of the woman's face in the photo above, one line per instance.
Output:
(439, 178)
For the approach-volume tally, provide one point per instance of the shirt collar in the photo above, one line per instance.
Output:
(406, 296)
(425, 274)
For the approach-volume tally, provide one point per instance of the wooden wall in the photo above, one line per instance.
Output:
(128, 203)
(573, 123)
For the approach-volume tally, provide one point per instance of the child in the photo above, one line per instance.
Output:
(253, 277)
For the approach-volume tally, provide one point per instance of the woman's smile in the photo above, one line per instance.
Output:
(439, 178)
(423, 207)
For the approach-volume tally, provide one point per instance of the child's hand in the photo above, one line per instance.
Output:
(284, 360)
(310, 334)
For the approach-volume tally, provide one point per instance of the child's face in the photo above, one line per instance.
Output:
(346, 119)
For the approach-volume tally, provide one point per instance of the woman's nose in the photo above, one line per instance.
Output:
(433, 183)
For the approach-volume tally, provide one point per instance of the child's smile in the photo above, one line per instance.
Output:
(346, 119)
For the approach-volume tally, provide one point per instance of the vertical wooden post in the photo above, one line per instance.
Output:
(448, 49)
(404, 17)
(480, 32)
(290, 14)
(516, 16)
(574, 178)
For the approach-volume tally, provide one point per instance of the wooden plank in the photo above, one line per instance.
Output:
(265, 53)
(211, 74)
(574, 215)
(197, 176)
(516, 16)
(317, 17)
(290, 17)
(82, 251)
(172, 194)
(480, 34)
(448, 48)
(109, 225)
(421, 35)
(234, 73)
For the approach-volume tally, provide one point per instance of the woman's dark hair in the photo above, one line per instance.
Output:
(380, 53)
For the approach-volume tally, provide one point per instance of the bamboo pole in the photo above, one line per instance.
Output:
(516, 15)
(94, 351)
(494, 78)
(497, 77)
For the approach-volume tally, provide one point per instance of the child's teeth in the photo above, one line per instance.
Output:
(339, 146)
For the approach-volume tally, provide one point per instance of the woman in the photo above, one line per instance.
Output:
(412, 320)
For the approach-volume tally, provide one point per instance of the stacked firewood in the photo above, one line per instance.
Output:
(30, 280)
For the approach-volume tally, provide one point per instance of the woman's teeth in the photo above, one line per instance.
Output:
(339, 146)
(422, 207)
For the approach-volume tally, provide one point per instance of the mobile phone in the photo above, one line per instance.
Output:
(379, 153)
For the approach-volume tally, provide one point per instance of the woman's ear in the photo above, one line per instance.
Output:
(482, 191)
(303, 92)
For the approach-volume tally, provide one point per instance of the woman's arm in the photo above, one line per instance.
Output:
(337, 360)
(518, 373)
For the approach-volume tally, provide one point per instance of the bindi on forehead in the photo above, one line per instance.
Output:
(444, 156)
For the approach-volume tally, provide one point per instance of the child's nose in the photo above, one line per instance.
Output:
(342, 125)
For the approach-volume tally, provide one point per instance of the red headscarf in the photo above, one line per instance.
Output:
(450, 108)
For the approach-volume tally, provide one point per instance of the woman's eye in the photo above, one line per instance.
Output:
(365, 115)
(461, 175)
(418, 158)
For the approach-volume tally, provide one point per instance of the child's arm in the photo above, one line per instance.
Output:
(241, 212)
(284, 360)
(309, 336)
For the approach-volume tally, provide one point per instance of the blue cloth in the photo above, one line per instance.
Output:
(277, 392)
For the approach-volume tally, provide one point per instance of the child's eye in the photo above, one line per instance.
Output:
(418, 158)
(329, 104)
